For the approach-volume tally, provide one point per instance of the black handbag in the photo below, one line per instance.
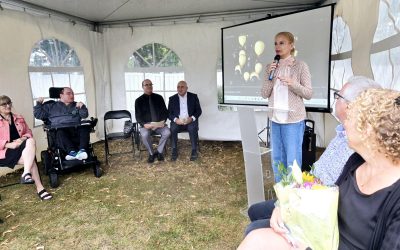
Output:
(128, 127)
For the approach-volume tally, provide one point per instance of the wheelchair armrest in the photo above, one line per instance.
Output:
(92, 122)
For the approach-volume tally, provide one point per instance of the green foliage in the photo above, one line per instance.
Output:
(53, 53)
(286, 177)
(154, 55)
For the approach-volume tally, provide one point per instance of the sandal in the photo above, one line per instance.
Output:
(44, 195)
(27, 179)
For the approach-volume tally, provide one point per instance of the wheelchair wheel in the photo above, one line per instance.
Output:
(97, 171)
(53, 180)
(46, 161)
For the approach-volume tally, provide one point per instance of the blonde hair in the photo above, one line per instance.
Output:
(4, 99)
(290, 37)
(378, 110)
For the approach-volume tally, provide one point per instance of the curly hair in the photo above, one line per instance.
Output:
(378, 110)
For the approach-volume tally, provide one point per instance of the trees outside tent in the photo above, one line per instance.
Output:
(156, 62)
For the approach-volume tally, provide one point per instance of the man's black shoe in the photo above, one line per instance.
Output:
(174, 155)
(160, 157)
(150, 159)
(193, 156)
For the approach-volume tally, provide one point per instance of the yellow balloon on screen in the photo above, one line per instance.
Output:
(259, 47)
(242, 40)
(254, 74)
(237, 68)
(246, 76)
(242, 52)
(258, 68)
(242, 60)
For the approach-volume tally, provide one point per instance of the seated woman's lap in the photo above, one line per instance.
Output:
(264, 238)
(257, 224)
(261, 210)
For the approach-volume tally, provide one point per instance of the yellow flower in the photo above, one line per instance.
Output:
(307, 177)
(318, 187)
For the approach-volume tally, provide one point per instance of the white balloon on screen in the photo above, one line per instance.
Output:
(254, 74)
(246, 76)
(242, 40)
(259, 47)
(242, 52)
(242, 60)
(258, 68)
(238, 68)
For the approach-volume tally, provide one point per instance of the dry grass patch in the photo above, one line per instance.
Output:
(166, 205)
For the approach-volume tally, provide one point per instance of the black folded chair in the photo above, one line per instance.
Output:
(108, 136)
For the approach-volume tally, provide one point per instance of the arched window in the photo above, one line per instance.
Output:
(341, 61)
(385, 52)
(54, 63)
(156, 62)
(385, 60)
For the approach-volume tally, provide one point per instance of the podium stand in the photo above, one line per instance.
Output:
(252, 155)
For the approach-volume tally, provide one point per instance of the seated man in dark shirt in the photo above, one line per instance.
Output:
(65, 114)
(151, 113)
(184, 112)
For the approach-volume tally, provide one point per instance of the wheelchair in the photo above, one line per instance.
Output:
(53, 158)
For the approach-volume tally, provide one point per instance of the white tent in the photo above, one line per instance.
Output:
(104, 34)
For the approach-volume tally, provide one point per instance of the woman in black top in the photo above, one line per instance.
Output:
(369, 187)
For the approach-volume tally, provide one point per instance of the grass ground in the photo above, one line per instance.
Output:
(180, 205)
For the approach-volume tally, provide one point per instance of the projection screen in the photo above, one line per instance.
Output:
(249, 47)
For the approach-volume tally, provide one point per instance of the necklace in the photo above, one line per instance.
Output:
(7, 119)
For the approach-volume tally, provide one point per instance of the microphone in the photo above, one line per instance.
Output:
(276, 60)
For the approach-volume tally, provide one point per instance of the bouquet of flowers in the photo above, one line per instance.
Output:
(308, 208)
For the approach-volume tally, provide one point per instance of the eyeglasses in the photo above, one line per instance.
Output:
(336, 95)
(148, 84)
(5, 104)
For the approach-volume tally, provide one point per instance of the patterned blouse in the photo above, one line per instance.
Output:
(301, 88)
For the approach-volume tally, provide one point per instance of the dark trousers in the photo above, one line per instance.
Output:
(192, 128)
(73, 139)
(259, 215)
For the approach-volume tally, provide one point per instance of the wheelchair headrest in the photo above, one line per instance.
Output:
(54, 92)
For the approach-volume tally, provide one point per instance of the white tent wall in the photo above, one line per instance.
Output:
(104, 56)
(19, 33)
(199, 47)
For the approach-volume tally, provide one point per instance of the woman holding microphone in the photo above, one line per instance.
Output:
(287, 82)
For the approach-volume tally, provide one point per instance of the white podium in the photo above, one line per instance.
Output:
(252, 153)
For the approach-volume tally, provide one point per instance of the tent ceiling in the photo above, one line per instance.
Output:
(104, 11)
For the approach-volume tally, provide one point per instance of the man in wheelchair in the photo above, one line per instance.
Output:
(65, 115)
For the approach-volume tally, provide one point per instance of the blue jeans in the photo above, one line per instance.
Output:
(286, 141)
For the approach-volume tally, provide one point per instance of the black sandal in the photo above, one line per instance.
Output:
(44, 195)
(27, 179)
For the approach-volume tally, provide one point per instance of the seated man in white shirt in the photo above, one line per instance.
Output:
(184, 111)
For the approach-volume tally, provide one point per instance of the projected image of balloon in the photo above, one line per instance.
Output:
(249, 65)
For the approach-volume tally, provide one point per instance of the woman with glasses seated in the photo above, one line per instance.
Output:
(369, 186)
(18, 147)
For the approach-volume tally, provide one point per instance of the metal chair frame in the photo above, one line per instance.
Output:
(116, 115)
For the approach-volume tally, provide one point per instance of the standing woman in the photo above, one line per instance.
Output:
(291, 83)
(18, 147)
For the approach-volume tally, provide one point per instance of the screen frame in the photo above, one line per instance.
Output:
(326, 109)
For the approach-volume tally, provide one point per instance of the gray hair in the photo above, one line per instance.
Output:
(357, 84)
